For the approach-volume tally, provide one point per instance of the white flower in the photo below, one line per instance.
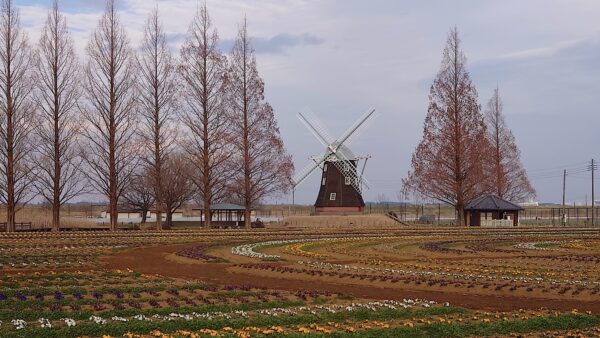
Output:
(98, 320)
(119, 319)
(45, 323)
(19, 323)
(69, 322)
(141, 317)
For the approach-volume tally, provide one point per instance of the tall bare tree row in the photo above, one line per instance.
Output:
(462, 154)
(447, 165)
(57, 161)
(508, 178)
(112, 127)
(203, 69)
(111, 149)
(16, 113)
(157, 102)
(263, 166)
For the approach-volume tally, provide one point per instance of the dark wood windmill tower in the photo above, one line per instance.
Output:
(341, 184)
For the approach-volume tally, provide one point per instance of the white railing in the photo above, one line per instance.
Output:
(497, 222)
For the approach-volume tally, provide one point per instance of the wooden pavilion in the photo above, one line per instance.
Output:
(225, 214)
(492, 211)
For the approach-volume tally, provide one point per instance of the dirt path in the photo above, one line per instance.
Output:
(160, 260)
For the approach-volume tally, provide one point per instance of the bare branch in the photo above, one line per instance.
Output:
(111, 148)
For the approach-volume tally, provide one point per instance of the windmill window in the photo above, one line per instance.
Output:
(347, 180)
(332, 196)
(323, 181)
(325, 167)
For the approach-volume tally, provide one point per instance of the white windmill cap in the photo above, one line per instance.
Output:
(344, 152)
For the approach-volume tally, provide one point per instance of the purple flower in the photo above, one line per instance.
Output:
(3, 297)
(21, 297)
(39, 296)
(97, 295)
(78, 295)
(58, 295)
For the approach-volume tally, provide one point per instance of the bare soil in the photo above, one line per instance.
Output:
(163, 261)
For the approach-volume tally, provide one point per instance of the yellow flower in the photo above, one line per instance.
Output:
(303, 329)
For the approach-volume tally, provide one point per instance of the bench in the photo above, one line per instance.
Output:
(19, 226)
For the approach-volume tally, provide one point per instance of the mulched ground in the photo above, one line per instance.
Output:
(159, 260)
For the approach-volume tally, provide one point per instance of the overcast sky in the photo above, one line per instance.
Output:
(339, 58)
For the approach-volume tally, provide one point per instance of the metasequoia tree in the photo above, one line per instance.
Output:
(203, 70)
(264, 166)
(508, 178)
(17, 118)
(59, 178)
(447, 165)
(111, 149)
(179, 187)
(139, 195)
(157, 99)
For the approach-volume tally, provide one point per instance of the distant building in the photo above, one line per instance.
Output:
(491, 210)
(123, 213)
(177, 214)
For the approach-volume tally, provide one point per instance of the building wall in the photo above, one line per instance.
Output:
(474, 218)
(334, 183)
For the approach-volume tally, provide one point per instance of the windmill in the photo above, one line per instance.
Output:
(341, 183)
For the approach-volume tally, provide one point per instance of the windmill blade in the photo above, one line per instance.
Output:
(345, 165)
(349, 172)
(305, 173)
(357, 125)
(317, 129)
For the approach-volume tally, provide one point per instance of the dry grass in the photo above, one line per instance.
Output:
(42, 218)
(372, 220)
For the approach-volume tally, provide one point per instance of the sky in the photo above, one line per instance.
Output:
(339, 58)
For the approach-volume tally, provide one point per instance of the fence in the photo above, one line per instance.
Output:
(576, 216)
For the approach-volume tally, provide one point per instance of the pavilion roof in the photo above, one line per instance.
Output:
(224, 206)
(490, 202)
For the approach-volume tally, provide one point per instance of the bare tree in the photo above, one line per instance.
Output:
(508, 177)
(448, 163)
(140, 194)
(157, 104)
(111, 149)
(178, 185)
(203, 69)
(17, 118)
(265, 168)
(59, 177)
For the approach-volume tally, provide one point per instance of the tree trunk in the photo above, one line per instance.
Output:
(144, 216)
(159, 225)
(10, 177)
(10, 217)
(460, 211)
(55, 218)
(248, 218)
(114, 216)
(169, 220)
(56, 179)
(207, 213)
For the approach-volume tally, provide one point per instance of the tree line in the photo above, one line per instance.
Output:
(137, 124)
(465, 153)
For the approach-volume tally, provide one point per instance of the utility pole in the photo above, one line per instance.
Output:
(562, 216)
(293, 202)
(564, 186)
(593, 168)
